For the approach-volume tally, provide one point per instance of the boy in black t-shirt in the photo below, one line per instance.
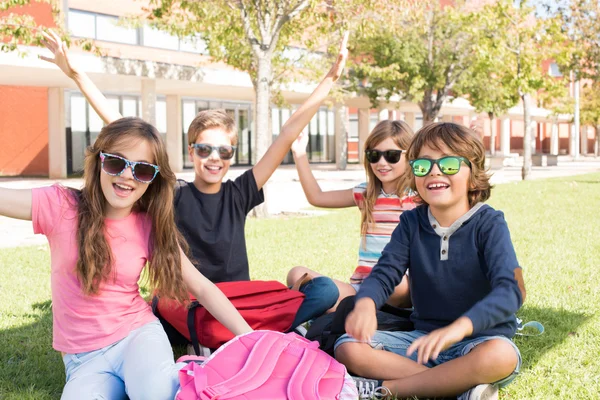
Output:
(211, 213)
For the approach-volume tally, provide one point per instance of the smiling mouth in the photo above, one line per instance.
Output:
(437, 186)
(213, 167)
(122, 190)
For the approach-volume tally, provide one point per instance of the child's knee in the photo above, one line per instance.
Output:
(294, 274)
(351, 354)
(500, 357)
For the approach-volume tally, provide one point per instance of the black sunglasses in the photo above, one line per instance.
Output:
(115, 165)
(449, 165)
(204, 150)
(391, 156)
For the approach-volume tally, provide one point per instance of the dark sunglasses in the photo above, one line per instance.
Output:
(204, 150)
(449, 165)
(116, 165)
(391, 156)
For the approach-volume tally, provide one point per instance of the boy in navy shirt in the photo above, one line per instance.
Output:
(465, 283)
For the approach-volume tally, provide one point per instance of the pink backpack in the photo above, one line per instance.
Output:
(267, 365)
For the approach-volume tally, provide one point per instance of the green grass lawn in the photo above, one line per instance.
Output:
(555, 229)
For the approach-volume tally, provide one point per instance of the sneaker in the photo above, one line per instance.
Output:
(371, 389)
(481, 392)
(204, 351)
(301, 330)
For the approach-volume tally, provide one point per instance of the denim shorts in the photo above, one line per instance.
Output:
(398, 343)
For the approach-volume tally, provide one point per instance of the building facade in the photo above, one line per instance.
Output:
(46, 123)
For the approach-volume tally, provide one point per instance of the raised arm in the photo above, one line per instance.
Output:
(312, 190)
(15, 203)
(90, 91)
(298, 121)
(213, 299)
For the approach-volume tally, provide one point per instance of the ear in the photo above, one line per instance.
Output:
(191, 153)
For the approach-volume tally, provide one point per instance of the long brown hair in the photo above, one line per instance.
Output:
(461, 141)
(95, 260)
(402, 135)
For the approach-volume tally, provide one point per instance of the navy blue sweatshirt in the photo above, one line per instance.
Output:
(463, 270)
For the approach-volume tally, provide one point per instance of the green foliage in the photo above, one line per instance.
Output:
(239, 32)
(18, 29)
(418, 52)
(590, 104)
(580, 24)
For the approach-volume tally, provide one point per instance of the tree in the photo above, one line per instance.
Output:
(582, 56)
(590, 110)
(418, 51)
(20, 28)
(488, 89)
(255, 37)
(523, 42)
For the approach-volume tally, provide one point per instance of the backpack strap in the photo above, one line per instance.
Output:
(538, 327)
(304, 382)
(191, 323)
(259, 366)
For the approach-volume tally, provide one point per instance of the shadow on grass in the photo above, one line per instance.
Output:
(29, 367)
(559, 324)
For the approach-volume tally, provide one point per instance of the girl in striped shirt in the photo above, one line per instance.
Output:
(381, 200)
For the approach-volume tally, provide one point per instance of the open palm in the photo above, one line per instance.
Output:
(58, 48)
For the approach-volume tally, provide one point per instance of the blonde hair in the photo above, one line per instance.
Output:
(402, 135)
(461, 141)
(209, 119)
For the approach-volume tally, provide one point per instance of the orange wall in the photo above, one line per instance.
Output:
(41, 12)
(23, 130)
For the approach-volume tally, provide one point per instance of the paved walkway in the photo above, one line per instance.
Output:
(284, 190)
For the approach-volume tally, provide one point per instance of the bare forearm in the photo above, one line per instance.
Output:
(95, 97)
(310, 186)
(221, 308)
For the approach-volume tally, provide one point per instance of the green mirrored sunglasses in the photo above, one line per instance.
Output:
(449, 165)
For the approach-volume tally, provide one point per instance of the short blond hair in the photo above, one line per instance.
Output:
(209, 119)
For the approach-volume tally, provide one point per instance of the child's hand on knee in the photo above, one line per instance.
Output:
(429, 347)
(361, 323)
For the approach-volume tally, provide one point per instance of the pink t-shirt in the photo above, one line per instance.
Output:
(84, 323)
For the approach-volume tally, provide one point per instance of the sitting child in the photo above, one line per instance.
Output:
(465, 283)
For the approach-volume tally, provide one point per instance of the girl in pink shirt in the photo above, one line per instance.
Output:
(101, 237)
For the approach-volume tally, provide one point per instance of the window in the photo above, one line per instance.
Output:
(107, 28)
(156, 38)
(553, 70)
(82, 24)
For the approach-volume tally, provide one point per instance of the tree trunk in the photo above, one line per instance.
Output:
(597, 139)
(526, 136)
(342, 122)
(493, 134)
(262, 126)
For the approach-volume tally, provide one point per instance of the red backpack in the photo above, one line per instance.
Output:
(265, 305)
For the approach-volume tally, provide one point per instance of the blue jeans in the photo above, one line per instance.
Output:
(321, 294)
(398, 343)
(139, 366)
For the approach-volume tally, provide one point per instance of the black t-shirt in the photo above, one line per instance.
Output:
(213, 225)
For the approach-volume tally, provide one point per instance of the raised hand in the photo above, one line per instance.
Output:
(299, 145)
(336, 70)
(58, 48)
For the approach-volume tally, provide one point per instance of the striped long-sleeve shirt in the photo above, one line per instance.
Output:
(386, 215)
